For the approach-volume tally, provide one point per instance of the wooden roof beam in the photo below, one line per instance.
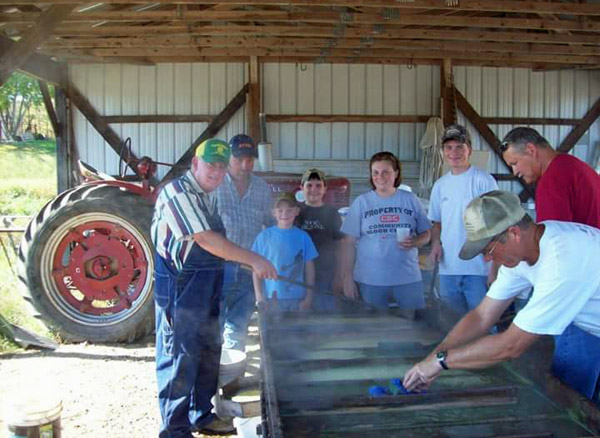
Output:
(39, 66)
(314, 17)
(193, 42)
(19, 53)
(566, 8)
(334, 52)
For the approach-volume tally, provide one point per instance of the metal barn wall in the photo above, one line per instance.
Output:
(508, 92)
(115, 89)
(205, 88)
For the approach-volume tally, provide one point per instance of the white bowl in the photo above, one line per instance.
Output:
(232, 366)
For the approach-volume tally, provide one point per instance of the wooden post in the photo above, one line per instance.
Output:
(447, 91)
(254, 98)
(63, 160)
(19, 53)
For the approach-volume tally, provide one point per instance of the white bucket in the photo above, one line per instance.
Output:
(247, 427)
(33, 415)
(232, 366)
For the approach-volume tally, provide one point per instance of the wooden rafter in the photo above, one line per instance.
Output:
(211, 130)
(573, 137)
(39, 66)
(20, 52)
(49, 107)
(107, 133)
(469, 112)
(464, 5)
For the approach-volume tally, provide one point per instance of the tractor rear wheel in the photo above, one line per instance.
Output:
(87, 263)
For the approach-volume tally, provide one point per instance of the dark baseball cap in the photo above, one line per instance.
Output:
(243, 145)
(456, 132)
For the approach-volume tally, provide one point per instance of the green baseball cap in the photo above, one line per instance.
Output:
(214, 151)
(487, 216)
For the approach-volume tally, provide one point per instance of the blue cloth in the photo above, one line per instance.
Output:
(462, 293)
(188, 341)
(237, 306)
(577, 361)
(407, 296)
(373, 221)
(288, 250)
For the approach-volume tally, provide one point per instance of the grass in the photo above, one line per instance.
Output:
(27, 182)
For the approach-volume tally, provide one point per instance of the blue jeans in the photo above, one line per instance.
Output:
(237, 306)
(407, 296)
(188, 341)
(577, 361)
(462, 293)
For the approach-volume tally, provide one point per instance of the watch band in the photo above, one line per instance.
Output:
(441, 358)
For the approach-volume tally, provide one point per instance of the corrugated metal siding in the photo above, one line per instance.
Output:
(506, 92)
(348, 89)
(205, 88)
(113, 89)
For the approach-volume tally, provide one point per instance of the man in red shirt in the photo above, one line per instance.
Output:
(567, 188)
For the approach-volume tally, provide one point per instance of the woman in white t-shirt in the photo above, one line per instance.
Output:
(383, 229)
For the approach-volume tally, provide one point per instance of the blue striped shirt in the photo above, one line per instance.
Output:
(244, 218)
(180, 212)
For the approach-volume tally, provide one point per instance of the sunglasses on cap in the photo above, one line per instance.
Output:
(504, 146)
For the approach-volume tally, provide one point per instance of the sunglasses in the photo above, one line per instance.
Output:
(504, 146)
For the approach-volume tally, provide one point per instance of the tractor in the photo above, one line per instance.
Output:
(86, 259)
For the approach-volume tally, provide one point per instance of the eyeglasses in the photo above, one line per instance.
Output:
(504, 146)
(489, 252)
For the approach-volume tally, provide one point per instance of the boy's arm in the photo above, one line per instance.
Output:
(309, 279)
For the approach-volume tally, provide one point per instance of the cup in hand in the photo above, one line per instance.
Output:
(402, 233)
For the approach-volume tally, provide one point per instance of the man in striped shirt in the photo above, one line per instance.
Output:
(191, 246)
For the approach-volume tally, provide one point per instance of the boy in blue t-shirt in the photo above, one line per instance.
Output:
(291, 251)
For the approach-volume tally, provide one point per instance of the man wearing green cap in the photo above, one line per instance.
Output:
(190, 243)
(560, 261)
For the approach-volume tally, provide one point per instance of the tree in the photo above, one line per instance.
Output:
(17, 95)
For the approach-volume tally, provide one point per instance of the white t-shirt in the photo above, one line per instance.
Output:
(449, 198)
(373, 220)
(565, 280)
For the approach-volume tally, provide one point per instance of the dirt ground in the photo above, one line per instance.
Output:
(106, 390)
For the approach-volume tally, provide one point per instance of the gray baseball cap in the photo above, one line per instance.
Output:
(487, 216)
(456, 132)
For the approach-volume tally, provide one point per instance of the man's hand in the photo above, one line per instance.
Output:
(422, 375)
(306, 304)
(350, 288)
(435, 255)
(262, 267)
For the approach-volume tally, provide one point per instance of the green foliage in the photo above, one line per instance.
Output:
(18, 94)
(27, 182)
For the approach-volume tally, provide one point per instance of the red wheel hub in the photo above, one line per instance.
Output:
(100, 267)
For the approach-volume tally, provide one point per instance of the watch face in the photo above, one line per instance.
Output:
(441, 355)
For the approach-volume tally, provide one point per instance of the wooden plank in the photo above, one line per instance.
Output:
(194, 16)
(49, 107)
(348, 118)
(254, 93)
(211, 130)
(591, 9)
(39, 66)
(107, 133)
(63, 149)
(447, 93)
(465, 107)
(18, 53)
(159, 118)
(418, 53)
(328, 31)
(529, 121)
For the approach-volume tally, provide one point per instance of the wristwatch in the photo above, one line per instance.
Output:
(441, 358)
